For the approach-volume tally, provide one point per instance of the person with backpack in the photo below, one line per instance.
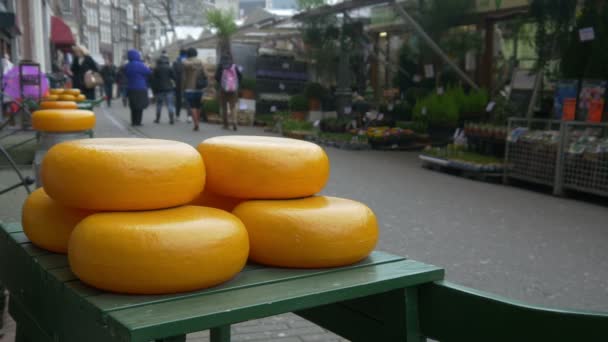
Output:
(228, 76)
(178, 69)
(164, 85)
(82, 64)
(194, 81)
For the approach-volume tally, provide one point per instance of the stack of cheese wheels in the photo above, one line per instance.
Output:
(275, 180)
(60, 94)
(119, 207)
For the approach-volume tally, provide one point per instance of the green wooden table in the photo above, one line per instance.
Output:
(374, 300)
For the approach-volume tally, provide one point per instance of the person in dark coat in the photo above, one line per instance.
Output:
(137, 85)
(178, 69)
(108, 72)
(82, 64)
(122, 83)
(163, 78)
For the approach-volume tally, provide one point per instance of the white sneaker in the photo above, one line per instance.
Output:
(189, 119)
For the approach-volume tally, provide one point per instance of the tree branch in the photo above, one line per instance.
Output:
(149, 6)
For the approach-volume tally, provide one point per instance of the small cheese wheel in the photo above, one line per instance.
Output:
(81, 98)
(119, 174)
(209, 199)
(57, 91)
(67, 97)
(51, 98)
(49, 224)
(63, 120)
(58, 105)
(155, 252)
(308, 233)
(72, 91)
(264, 167)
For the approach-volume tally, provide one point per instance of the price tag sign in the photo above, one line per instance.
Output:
(490, 106)
(285, 65)
(390, 106)
(423, 111)
(281, 86)
(347, 110)
(242, 105)
(317, 123)
(381, 116)
(586, 34)
(429, 71)
(440, 91)
(353, 124)
(273, 109)
(417, 78)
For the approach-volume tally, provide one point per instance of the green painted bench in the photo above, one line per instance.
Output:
(383, 298)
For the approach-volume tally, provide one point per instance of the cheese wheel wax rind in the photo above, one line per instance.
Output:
(63, 120)
(81, 98)
(56, 91)
(49, 224)
(264, 167)
(72, 91)
(67, 97)
(155, 252)
(58, 105)
(123, 174)
(308, 233)
(209, 199)
(51, 98)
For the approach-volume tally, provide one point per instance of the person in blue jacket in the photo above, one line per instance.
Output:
(137, 74)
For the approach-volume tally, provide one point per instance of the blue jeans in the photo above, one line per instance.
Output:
(168, 98)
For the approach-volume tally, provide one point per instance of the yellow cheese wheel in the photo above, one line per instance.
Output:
(209, 199)
(118, 174)
(72, 91)
(58, 105)
(63, 120)
(51, 98)
(67, 97)
(155, 252)
(81, 98)
(49, 224)
(57, 91)
(264, 167)
(308, 233)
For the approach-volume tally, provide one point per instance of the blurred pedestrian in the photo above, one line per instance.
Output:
(228, 76)
(163, 78)
(108, 73)
(122, 83)
(194, 80)
(81, 65)
(137, 85)
(178, 69)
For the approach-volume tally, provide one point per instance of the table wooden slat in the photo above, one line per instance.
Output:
(198, 313)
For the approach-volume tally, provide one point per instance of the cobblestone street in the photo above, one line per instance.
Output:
(511, 241)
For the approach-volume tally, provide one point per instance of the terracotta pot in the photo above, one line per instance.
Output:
(314, 104)
(299, 116)
(248, 94)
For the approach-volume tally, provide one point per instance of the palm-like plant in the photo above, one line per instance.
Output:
(223, 22)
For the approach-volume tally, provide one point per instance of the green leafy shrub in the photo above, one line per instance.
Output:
(437, 110)
(248, 83)
(298, 103)
(296, 125)
(315, 90)
(334, 125)
(211, 106)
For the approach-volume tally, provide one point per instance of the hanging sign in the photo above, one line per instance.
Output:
(429, 71)
(586, 34)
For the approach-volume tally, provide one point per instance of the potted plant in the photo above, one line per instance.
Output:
(298, 107)
(248, 86)
(315, 93)
(439, 113)
(211, 107)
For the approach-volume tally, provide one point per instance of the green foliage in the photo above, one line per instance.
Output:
(437, 110)
(587, 59)
(248, 83)
(408, 61)
(335, 125)
(298, 103)
(402, 111)
(440, 15)
(416, 126)
(458, 41)
(553, 19)
(306, 5)
(473, 102)
(211, 106)
(296, 125)
(223, 21)
(315, 90)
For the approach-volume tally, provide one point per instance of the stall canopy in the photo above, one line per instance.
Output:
(61, 35)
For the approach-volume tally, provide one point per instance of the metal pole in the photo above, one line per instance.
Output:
(535, 92)
(426, 38)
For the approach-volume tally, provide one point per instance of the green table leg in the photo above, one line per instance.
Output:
(220, 334)
(412, 322)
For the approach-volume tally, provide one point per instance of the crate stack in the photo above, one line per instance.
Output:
(277, 79)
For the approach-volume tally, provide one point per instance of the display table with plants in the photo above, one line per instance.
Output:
(460, 159)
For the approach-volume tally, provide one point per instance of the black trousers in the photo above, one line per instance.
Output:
(107, 88)
(88, 93)
(136, 115)
(178, 101)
